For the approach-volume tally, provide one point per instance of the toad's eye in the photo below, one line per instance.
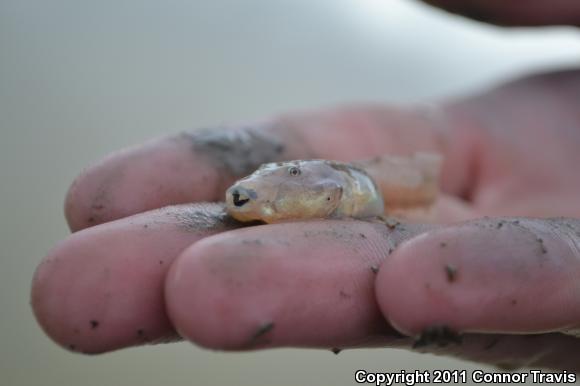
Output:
(294, 171)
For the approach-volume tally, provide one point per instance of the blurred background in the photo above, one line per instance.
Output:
(81, 79)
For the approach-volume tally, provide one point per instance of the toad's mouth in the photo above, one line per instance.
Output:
(241, 195)
(239, 199)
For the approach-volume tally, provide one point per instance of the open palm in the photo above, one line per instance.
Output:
(498, 290)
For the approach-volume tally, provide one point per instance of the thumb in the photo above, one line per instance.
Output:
(511, 276)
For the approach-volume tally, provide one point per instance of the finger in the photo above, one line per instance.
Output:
(309, 285)
(447, 209)
(450, 209)
(102, 289)
(198, 166)
(515, 13)
(510, 352)
(517, 276)
(306, 284)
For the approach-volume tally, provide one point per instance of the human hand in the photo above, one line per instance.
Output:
(507, 285)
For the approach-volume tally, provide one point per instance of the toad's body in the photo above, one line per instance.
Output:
(306, 189)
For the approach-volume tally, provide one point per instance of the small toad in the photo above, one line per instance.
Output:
(307, 189)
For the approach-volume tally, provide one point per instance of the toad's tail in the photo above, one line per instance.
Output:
(406, 183)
